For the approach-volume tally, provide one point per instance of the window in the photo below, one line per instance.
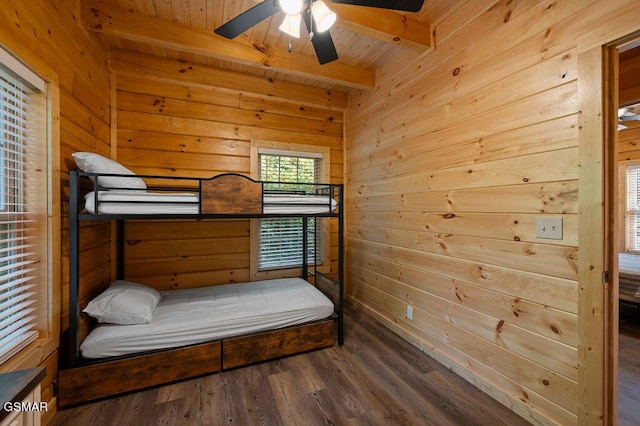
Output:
(632, 207)
(24, 205)
(277, 242)
(280, 239)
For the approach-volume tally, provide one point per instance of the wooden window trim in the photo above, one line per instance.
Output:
(256, 145)
(49, 300)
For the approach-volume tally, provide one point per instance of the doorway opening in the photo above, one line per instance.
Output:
(627, 232)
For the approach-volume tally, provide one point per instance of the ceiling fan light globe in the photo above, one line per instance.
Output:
(291, 7)
(291, 25)
(623, 111)
(323, 16)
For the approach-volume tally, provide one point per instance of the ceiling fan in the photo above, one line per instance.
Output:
(627, 114)
(316, 16)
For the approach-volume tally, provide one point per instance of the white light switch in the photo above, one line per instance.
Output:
(549, 227)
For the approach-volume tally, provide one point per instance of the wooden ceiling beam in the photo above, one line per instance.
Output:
(386, 25)
(121, 23)
(151, 67)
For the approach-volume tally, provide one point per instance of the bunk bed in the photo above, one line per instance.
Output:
(95, 369)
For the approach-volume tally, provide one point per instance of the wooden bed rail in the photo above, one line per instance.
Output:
(114, 377)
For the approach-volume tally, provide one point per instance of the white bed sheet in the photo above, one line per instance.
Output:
(190, 316)
(629, 275)
(114, 202)
(629, 264)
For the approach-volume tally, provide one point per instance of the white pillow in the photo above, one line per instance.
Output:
(95, 163)
(124, 302)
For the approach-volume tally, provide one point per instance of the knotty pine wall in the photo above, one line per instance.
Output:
(628, 150)
(176, 118)
(629, 138)
(450, 160)
(49, 31)
(629, 142)
(629, 91)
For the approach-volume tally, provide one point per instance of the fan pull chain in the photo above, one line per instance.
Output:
(289, 37)
(310, 20)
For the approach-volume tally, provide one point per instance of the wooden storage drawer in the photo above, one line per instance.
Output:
(254, 348)
(110, 378)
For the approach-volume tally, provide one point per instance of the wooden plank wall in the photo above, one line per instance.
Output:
(450, 160)
(176, 118)
(629, 138)
(50, 31)
(629, 142)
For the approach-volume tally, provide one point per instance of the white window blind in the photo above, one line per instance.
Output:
(632, 207)
(280, 239)
(21, 192)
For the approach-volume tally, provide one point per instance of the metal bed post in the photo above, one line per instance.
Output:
(341, 265)
(120, 249)
(74, 268)
(315, 249)
(305, 263)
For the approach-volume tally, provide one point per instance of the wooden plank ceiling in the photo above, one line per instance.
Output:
(629, 91)
(365, 38)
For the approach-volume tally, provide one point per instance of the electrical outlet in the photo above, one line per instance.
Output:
(409, 312)
(549, 228)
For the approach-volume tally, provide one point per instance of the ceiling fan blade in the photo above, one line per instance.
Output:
(406, 5)
(322, 42)
(629, 117)
(248, 19)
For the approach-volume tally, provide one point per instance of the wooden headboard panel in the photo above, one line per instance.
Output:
(231, 194)
(328, 286)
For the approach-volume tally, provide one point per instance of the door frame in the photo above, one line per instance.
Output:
(597, 206)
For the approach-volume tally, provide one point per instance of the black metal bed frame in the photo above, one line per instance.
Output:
(75, 217)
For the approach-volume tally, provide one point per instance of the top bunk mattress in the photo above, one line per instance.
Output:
(190, 316)
(130, 202)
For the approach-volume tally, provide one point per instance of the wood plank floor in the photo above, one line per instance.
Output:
(375, 378)
(629, 366)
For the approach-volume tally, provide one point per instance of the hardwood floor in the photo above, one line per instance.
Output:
(375, 378)
(629, 366)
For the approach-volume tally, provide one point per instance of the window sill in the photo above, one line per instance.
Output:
(31, 356)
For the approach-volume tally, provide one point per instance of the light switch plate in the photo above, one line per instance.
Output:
(549, 227)
(410, 312)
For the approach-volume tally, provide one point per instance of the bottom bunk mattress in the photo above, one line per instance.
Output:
(190, 316)
(629, 276)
